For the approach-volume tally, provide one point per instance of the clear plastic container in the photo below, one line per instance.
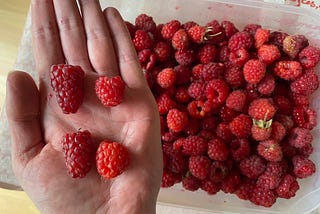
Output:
(286, 18)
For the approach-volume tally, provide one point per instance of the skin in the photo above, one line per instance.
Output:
(98, 42)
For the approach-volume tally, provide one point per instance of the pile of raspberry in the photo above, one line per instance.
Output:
(233, 103)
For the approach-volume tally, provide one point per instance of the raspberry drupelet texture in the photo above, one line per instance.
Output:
(288, 70)
(218, 149)
(261, 109)
(177, 120)
(252, 166)
(240, 40)
(254, 71)
(199, 166)
(194, 145)
(302, 166)
(110, 91)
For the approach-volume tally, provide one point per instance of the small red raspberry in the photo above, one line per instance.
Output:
(285, 120)
(229, 28)
(196, 89)
(240, 149)
(268, 181)
(197, 72)
(145, 22)
(217, 91)
(231, 183)
(199, 166)
(278, 131)
(166, 77)
(218, 171)
(112, 159)
(263, 197)
(169, 29)
(210, 187)
(191, 183)
(234, 76)
(270, 150)
(268, 53)
(300, 137)
(277, 37)
(218, 149)
(236, 100)
(185, 57)
(182, 95)
(240, 40)
(288, 187)
(177, 120)
(252, 166)
(110, 91)
(165, 103)
(287, 70)
(251, 28)
(198, 109)
(261, 109)
(261, 37)
(180, 39)
(305, 84)
(217, 33)
(293, 44)
(276, 168)
(212, 70)
(194, 145)
(142, 40)
(304, 117)
(162, 50)
(241, 125)
(300, 100)
(78, 150)
(245, 189)
(260, 133)
(207, 53)
(254, 71)
(309, 57)
(223, 131)
(200, 34)
(303, 167)
(239, 57)
(168, 179)
(267, 85)
(189, 24)
(223, 54)
(67, 82)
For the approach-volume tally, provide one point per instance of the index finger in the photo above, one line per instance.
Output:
(45, 36)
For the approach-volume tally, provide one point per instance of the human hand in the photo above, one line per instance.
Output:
(98, 42)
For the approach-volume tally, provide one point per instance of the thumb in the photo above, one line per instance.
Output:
(23, 112)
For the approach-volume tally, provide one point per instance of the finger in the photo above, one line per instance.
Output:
(45, 36)
(99, 42)
(72, 34)
(22, 107)
(127, 58)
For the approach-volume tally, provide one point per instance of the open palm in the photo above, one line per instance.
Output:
(100, 44)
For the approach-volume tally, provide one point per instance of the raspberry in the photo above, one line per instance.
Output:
(212, 70)
(287, 70)
(293, 44)
(110, 91)
(182, 95)
(168, 179)
(112, 159)
(217, 34)
(268, 181)
(234, 76)
(305, 117)
(278, 131)
(145, 22)
(268, 53)
(283, 104)
(218, 171)
(210, 187)
(199, 166)
(260, 133)
(300, 100)
(261, 37)
(191, 183)
(223, 131)
(177, 120)
(231, 183)
(217, 91)
(306, 150)
(207, 53)
(166, 78)
(147, 59)
(254, 71)
(261, 109)
(263, 197)
(196, 89)
(239, 57)
(200, 34)
(183, 74)
(309, 57)
(300, 137)
(227, 114)
(240, 40)
(170, 28)
(251, 28)
(276, 168)
(162, 51)
(176, 162)
(240, 149)
(224, 53)
(303, 167)
(288, 187)
(236, 100)
(305, 84)
(197, 109)
(241, 125)
(270, 150)
(229, 28)
(184, 56)
(244, 191)
(267, 85)
(276, 38)
(165, 103)
(67, 82)
(252, 166)
(142, 40)
(285, 120)
(188, 25)
(78, 150)
(218, 149)
(180, 39)
(194, 145)
(197, 72)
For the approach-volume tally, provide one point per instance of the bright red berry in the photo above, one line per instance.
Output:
(200, 34)
(309, 57)
(210, 187)
(166, 77)
(239, 57)
(304, 117)
(218, 171)
(267, 85)
(223, 131)
(145, 22)
(170, 28)
(261, 109)
(263, 197)
(287, 70)
(142, 40)
(234, 76)
(231, 182)
(185, 56)
(212, 70)
(236, 100)
(110, 91)
(168, 179)
(177, 120)
(217, 91)
(229, 28)
(270, 150)
(254, 71)
(67, 82)
(305, 84)
(112, 159)
(261, 37)
(303, 167)
(165, 103)
(199, 166)
(240, 148)
(288, 187)
(300, 137)
(194, 145)
(268, 181)
(207, 53)
(240, 40)
(218, 149)
(252, 166)
(162, 50)
(268, 53)
(191, 183)
(241, 125)
(78, 149)
(260, 133)
(278, 131)
(180, 39)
